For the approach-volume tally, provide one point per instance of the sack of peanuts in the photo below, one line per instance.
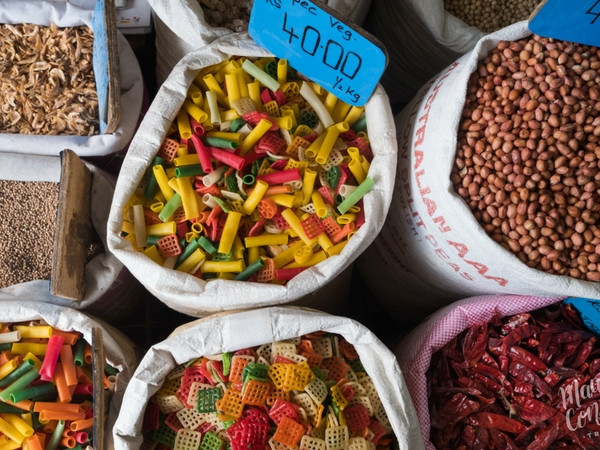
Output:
(302, 379)
(423, 37)
(495, 189)
(47, 375)
(182, 26)
(222, 202)
(504, 372)
(48, 85)
(29, 192)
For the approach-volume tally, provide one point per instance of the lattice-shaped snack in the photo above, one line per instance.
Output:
(190, 418)
(347, 350)
(169, 387)
(297, 376)
(358, 443)
(150, 217)
(313, 359)
(247, 434)
(238, 363)
(318, 430)
(357, 417)
(295, 185)
(367, 383)
(378, 431)
(357, 388)
(281, 347)
(336, 366)
(179, 215)
(195, 387)
(294, 357)
(336, 438)
(169, 245)
(168, 403)
(335, 159)
(317, 390)
(272, 108)
(255, 371)
(210, 441)
(297, 143)
(173, 421)
(323, 347)
(294, 164)
(267, 273)
(312, 443)
(266, 351)
(382, 417)
(312, 226)
(289, 432)
(270, 143)
(267, 208)
(277, 373)
(283, 408)
(255, 392)
(337, 397)
(304, 400)
(163, 435)
(309, 208)
(187, 440)
(277, 394)
(274, 445)
(243, 106)
(327, 194)
(207, 398)
(351, 375)
(213, 419)
(230, 406)
(168, 149)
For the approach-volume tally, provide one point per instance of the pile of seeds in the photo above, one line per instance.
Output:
(47, 81)
(490, 15)
(231, 14)
(527, 160)
(27, 227)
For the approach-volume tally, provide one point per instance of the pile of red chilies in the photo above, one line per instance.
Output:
(529, 381)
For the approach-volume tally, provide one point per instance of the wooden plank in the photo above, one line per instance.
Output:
(98, 362)
(73, 231)
(114, 68)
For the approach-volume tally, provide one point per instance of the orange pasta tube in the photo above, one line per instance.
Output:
(53, 406)
(70, 337)
(78, 425)
(64, 394)
(34, 443)
(49, 414)
(87, 354)
(68, 366)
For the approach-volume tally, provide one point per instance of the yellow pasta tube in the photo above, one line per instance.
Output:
(285, 122)
(308, 184)
(340, 112)
(282, 68)
(163, 181)
(230, 229)
(196, 112)
(183, 124)
(242, 83)
(233, 90)
(316, 258)
(213, 107)
(35, 332)
(319, 204)
(162, 229)
(313, 148)
(8, 367)
(254, 94)
(192, 261)
(331, 135)
(223, 266)
(329, 103)
(255, 197)
(11, 432)
(337, 248)
(286, 200)
(153, 253)
(188, 198)
(357, 170)
(186, 160)
(20, 425)
(140, 225)
(21, 348)
(195, 95)
(252, 138)
(346, 218)
(213, 85)
(354, 114)
(294, 223)
(287, 255)
(266, 239)
(253, 254)
(324, 242)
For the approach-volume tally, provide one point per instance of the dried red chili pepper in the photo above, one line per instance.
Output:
(497, 421)
(527, 358)
(475, 342)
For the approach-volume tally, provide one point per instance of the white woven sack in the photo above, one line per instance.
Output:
(190, 295)
(65, 15)
(431, 249)
(118, 349)
(107, 282)
(181, 28)
(234, 331)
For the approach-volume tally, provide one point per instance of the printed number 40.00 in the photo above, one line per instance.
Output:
(334, 56)
(594, 10)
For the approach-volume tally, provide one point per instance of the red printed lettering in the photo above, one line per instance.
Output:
(482, 269)
(442, 224)
(441, 253)
(461, 248)
(420, 135)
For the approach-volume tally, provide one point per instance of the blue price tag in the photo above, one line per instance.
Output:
(319, 45)
(589, 310)
(568, 20)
